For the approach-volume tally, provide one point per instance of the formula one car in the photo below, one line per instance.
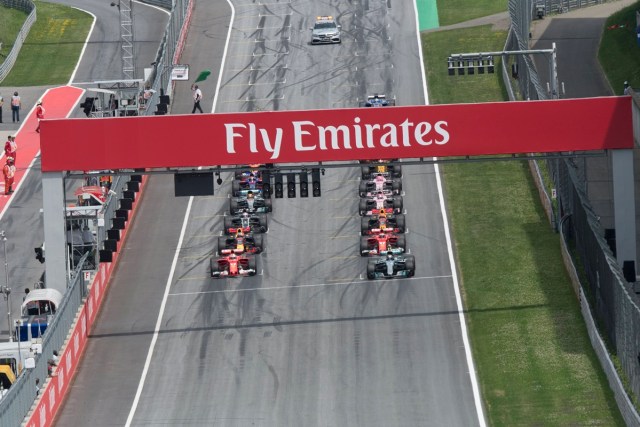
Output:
(240, 243)
(91, 195)
(380, 183)
(241, 187)
(251, 203)
(382, 223)
(233, 265)
(252, 169)
(391, 266)
(380, 202)
(382, 244)
(249, 223)
(371, 169)
(325, 30)
(378, 100)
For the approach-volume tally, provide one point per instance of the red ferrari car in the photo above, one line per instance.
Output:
(382, 244)
(233, 265)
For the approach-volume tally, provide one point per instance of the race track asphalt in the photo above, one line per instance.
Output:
(308, 341)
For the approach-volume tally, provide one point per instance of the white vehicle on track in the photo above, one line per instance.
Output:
(325, 30)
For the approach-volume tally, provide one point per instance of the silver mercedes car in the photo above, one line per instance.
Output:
(325, 30)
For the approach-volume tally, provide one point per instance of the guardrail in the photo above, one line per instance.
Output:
(27, 6)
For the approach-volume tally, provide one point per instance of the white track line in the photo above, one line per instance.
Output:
(452, 261)
(163, 305)
(315, 285)
(147, 363)
(86, 42)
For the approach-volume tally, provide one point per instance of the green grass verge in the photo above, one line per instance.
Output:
(534, 359)
(455, 11)
(11, 21)
(619, 52)
(52, 49)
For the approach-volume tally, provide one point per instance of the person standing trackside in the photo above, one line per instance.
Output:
(1, 102)
(10, 147)
(16, 104)
(39, 114)
(9, 172)
(197, 97)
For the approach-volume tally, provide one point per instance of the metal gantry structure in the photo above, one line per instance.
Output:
(125, 9)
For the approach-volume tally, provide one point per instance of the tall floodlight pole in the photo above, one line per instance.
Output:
(6, 290)
(553, 75)
(125, 9)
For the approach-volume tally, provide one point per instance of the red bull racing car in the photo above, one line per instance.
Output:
(240, 243)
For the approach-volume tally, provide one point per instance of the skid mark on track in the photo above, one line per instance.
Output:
(314, 285)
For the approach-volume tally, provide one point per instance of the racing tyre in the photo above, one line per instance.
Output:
(371, 270)
(222, 244)
(366, 173)
(363, 207)
(258, 244)
(262, 220)
(252, 264)
(235, 188)
(410, 264)
(267, 205)
(234, 207)
(363, 189)
(364, 246)
(397, 171)
(214, 266)
(397, 204)
(396, 186)
(400, 223)
(402, 242)
(364, 225)
(228, 223)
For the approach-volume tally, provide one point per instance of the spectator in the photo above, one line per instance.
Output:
(37, 386)
(9, 172)
(10, 147)
(197, 97)
(55, 357)
(16, 104)
(39, 114)
(627, 88)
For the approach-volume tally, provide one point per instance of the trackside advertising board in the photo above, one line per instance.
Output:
(337, 135)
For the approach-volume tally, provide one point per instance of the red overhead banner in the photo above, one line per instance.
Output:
(337, 135)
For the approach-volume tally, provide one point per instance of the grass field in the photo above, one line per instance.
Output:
(535, 363)
(619, 52)
(454, 11)
(52, 48)
(11, 21)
